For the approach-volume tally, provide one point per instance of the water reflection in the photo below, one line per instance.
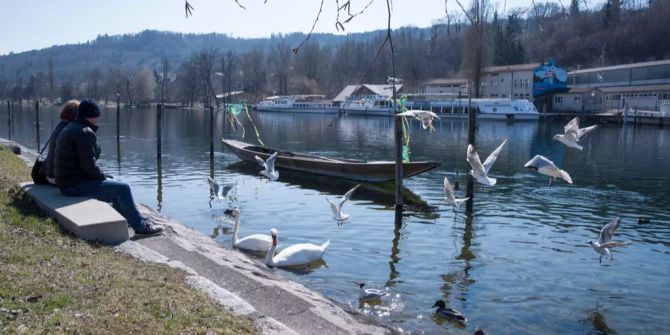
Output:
(395, 250)
(596, 319)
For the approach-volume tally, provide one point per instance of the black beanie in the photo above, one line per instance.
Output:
(88, 109)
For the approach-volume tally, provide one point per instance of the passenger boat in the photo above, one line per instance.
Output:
(375, 105)
(368, 171)
(297, 104)
(487, 109)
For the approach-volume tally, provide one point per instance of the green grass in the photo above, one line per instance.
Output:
(51, 282)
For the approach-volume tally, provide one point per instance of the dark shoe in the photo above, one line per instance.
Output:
(149, 229)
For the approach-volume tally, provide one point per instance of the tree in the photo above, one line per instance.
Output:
(144, 86)
(476, 49)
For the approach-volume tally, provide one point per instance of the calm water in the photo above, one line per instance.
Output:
(519, 264)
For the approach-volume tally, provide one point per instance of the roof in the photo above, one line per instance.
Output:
(641, 88)
(509, 68)
(384, 90)
(445, 81)
(622, 67)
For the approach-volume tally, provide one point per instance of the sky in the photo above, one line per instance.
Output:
(36, 24)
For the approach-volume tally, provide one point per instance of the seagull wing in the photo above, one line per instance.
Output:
(608, 230)
(347, 195)
(411, 113)
(261, 162)
(226, 189)
(616, 244)
(333, 207)
(539, 162)
(572, 126)
(213, 186)
(270, 162)
(582, 132)
(473, 158)
(488, 163)
(448, 190)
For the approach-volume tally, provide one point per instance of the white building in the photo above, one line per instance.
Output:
(508, 81)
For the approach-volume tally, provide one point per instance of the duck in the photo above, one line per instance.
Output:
(448, 312)
(296, 254)
(255, 242)
(369, 293)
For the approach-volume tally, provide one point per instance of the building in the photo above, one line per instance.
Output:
(365, 90)
(508, 81)
(579, 99)
(644, 86)
(456, 86)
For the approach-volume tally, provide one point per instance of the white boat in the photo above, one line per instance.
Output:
(377, 105)
(487, 109)
(297, 104)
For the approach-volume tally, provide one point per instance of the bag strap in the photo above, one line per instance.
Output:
(45, 145)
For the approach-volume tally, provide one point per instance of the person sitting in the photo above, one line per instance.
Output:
(78, 174)
(67, 114)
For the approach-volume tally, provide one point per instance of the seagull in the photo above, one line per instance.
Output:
(217, 192)
(546, 167)
(456, 203)
(369, 293)
(605, 240)
(480, 171)
(269, 166)
(572, 134)
(337, 209)
(426, 117)
(448, 312)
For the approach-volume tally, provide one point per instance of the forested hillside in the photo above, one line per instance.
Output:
(618, 32)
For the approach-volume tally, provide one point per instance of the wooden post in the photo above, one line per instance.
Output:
(37, 123)
(9, 120)
(398, 156)
(211, 132)
(159, 130)
(118, 113)
(472, 126)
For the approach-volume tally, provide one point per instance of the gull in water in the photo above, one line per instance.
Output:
(480, 171)
(450, 199)
(605, 242)
(369, 293)
(448, 312)
(572, 134)
(338, 215)
(269, 166)
(426, 117)
(218, 192)
(546, 167)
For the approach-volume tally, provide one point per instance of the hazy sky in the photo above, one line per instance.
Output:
(36, 24)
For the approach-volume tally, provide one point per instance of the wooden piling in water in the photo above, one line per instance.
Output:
(159, 130)
(118, 117)
(37, 123)
(211, 132)
(9, 120)
(472, 128)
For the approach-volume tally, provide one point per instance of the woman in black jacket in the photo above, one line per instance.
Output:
(67, 114)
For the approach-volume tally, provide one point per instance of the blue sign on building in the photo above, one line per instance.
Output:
(548, 78)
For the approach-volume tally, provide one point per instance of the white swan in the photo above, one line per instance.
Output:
(269, 166)
(297, 254)
(255, 242)
(480, 171)
(572, 134)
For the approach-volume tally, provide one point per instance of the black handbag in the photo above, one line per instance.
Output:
(37, 173)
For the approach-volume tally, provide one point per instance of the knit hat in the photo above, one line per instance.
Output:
(88, 109)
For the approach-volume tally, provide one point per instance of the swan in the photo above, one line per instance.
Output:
(605, 240)
(572, 134)
(255, 242)
(269, 166)
(297, 254)
(546, 167)
(448, 312)
(480, 171)
(369, 293)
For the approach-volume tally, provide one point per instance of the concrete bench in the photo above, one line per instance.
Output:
(86, 218)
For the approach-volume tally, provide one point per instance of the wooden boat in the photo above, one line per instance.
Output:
(373, 171)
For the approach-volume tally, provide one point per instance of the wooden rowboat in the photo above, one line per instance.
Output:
(373, 171)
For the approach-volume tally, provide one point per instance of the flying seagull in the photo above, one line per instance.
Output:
(480, 171)
(450, 199)
(426, 117)
(546, 167)
(217, 192)
(369, 293)
(269, 166)
(605, 243)
(338, 215)
(572, 134)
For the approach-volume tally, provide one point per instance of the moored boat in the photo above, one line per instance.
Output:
(369, 171)
(296, 104)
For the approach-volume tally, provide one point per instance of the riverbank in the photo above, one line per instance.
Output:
(53, 282)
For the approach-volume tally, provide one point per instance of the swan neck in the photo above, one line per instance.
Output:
(269, 257)
(236, 228)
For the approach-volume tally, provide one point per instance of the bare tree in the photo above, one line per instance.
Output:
(205, 65)
(144, 86)
(476, 44)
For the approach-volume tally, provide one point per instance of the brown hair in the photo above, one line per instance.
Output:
(69, 110)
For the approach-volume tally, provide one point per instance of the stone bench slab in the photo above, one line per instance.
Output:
(86, 218)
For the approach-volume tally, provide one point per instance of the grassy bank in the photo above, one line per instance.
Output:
(51, 282)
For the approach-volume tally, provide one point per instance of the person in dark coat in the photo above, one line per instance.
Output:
(67, 114)
(78, 174)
